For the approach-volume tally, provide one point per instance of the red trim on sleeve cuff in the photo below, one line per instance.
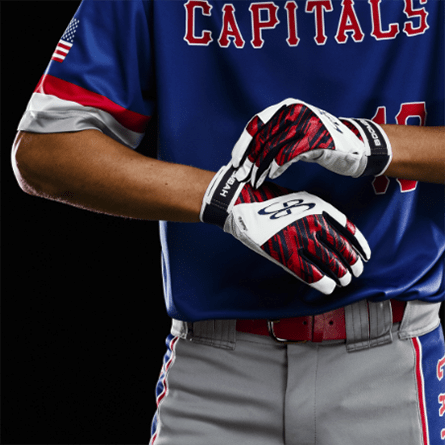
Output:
(68, 91)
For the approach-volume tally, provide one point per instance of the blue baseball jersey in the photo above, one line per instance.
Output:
(201, 69)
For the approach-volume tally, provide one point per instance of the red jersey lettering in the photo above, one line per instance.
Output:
(377, 30)
(419, 14)
(318, 7)
(190, 36)
(230, 29)
(259, 25)
(292, 33)
(348, 23)
(440, 368)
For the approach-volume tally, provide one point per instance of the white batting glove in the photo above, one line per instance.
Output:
(306, 236)
(292, 130)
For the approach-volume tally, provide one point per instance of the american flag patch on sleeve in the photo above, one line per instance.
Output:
(65, 42)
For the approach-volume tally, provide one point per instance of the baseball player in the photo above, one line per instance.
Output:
(302, 231)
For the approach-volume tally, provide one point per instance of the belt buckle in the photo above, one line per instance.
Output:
(283, 341)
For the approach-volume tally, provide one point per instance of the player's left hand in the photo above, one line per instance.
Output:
(293, 130)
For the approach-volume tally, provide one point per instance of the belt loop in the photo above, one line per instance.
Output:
(181, 329)
(368, 324)
(357, 326)
(380, 321)
(217, 333)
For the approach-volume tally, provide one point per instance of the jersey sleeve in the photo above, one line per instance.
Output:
(100, 75)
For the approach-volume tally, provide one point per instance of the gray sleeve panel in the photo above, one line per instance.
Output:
(46, 113)
(77, 120)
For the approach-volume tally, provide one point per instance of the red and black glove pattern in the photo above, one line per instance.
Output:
(293, 130)
(298, 231)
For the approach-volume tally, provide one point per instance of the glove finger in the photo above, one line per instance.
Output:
(277, 170)
(257, 178)
(265, 166)
(244, 171)
(328, 262)
(363, 246)
(349, 231)
(325, 285)
(269, 112)
(326, 248)
(239, 151)
(308, 271)
(277, 142)
(307, 268)
(334, 241)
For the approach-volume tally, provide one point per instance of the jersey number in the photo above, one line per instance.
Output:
(410, 113)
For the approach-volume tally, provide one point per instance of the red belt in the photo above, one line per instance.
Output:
(315, 328)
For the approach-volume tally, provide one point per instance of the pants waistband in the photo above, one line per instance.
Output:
(366, 325)
(316, 328)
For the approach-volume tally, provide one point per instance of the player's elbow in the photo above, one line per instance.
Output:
(28, 166)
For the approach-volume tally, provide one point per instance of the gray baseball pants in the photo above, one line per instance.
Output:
(384, 385)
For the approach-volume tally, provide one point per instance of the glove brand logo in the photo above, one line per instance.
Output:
(243, 225)
(286, 208)
(373, 133)
(228, 185)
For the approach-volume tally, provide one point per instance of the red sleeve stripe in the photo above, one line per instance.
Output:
(68, 91)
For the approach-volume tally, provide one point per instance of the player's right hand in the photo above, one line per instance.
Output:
(306, 236)
(293, 130)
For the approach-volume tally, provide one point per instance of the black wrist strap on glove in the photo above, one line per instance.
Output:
(380, 153)
(223, 189)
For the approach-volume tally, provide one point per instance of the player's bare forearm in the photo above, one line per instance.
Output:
(418, 153)
(88, 169)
